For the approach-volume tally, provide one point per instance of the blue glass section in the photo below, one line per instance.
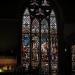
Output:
(26, 40)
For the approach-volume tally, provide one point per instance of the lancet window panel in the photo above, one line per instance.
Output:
(26, 22)
(35, 50)
(44, 26)
(35, 26)
(54, 42)
(44, 47)
(53, 25)
(44, 52)
(25, 59)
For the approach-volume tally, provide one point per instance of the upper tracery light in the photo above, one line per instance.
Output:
(45, 3)
(26, 12)
(52, 13)
(40, 12)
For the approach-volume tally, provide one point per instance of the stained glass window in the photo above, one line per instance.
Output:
(25, 59)
(39, 37)
(54, 42)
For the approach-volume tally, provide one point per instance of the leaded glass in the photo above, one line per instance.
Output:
(39, 38)
(25, 50)
(35, 50)
(35, 26)
(26, 22)
(54, 42)
(26, 40)
(45, 3)
(44, 26)
(44, 51)
(53, 26)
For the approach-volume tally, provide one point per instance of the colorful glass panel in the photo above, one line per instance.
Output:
(44, 51)
(35, 26)
(26, 22)
(44, 26)
(54, 42)
(35, 50)
(25, 50)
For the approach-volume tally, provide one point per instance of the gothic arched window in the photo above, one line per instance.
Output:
(39, 38)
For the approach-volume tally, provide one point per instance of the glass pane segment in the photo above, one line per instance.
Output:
(26, 19)
(26, 12)
(35, 50)
(53, 25)
(25, 55)
(44, 26)
(52, 13)
(54, 53)
(26, 22)
(35, 26)
(44, 50)
(54, 43)
(26, 40)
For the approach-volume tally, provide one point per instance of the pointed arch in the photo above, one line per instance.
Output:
(54, 42)
(35, 42)
(44, 46)
(35, 25)
(25, 58)
(26, 21)
(44, 26)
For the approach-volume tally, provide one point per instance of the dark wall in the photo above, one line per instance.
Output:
(69, 29)
(8, 27)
